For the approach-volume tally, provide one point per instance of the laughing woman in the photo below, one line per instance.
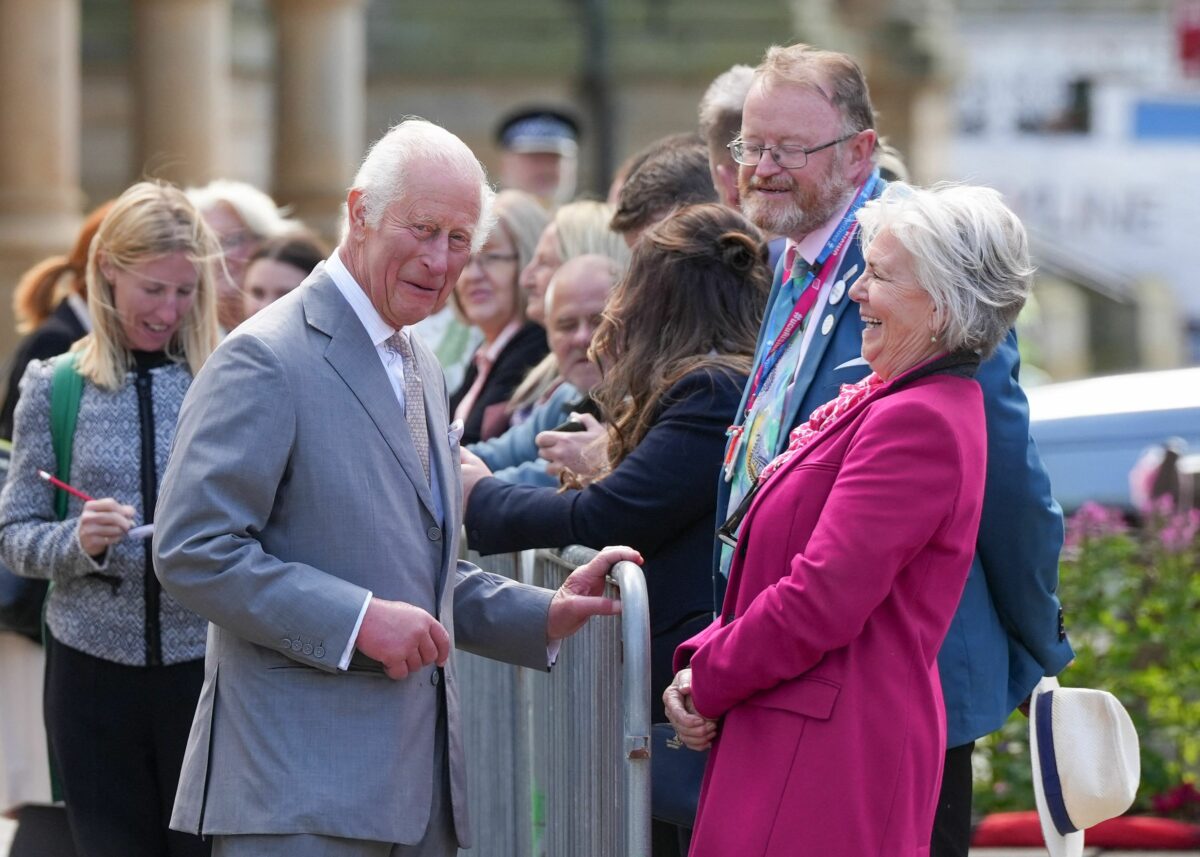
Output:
(817, 687)
(124, 660)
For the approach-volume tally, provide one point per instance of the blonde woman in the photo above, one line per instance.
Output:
(488, 297)
(124, 659)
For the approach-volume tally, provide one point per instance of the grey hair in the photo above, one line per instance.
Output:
(254, 208)
(970, 253)
(721, 107)
(382, 176)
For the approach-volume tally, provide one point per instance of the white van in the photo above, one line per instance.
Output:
(1090, 433)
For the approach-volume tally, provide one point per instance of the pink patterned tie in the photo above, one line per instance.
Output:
(414, 400)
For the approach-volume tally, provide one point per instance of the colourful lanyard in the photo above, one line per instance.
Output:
(836, 248)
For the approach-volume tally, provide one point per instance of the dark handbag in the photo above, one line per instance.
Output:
(21, 602)
(675, 774)
(20, 598)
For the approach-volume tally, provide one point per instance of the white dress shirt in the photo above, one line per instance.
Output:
(379, 331)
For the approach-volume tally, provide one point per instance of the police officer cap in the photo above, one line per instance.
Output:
(538, 129)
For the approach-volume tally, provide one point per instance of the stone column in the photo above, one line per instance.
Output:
(320, 106)
(1161, 326)
(1064, 344)
(181, 91)
(40, 196)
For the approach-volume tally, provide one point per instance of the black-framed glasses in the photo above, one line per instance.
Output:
(788, 157)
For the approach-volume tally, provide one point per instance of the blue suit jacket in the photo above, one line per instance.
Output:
(1008, 631)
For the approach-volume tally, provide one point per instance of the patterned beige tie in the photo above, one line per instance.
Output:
(414, 400)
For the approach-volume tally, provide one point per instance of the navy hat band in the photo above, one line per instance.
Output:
(1051, 785)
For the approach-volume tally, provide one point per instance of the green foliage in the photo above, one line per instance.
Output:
(1131, 598)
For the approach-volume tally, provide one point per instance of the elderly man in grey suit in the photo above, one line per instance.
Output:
(311, 511)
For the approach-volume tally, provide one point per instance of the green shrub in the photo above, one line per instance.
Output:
(1131, 599)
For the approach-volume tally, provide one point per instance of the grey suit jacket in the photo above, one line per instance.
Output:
(294, 488)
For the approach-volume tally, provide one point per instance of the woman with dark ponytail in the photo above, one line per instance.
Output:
(674, 348)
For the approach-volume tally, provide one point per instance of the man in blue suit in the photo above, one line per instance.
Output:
(808, 160)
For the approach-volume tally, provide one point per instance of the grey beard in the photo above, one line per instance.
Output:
(795, 221)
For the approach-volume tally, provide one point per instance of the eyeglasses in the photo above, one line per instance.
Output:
(492, 260)
(234, 240)
(727, 533)
(787, 157)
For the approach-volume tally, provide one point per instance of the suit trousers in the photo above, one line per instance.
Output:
(439, 840)
(952, 821)
(117, 734)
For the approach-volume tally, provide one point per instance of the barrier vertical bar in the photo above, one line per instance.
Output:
(635, 656)
(574, 743)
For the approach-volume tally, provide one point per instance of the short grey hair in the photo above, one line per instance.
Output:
(970, 253)
(721, 109)
(836, 76)
(382, 176)
(254, 208)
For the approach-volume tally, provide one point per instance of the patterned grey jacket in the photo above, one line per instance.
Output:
(98, 607)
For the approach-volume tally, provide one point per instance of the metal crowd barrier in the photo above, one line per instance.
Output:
(559, 764)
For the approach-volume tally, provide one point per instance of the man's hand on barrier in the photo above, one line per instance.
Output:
(402, 637)
(694, 729)
(581, 595)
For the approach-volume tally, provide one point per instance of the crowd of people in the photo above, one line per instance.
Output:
(784, 377)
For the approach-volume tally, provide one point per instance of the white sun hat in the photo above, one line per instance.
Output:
(1086, 766)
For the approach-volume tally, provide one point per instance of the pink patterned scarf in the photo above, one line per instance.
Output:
(849, 396)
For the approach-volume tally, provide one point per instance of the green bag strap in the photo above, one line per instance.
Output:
(66, 390)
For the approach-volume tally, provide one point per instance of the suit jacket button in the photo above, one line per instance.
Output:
(286, 643)
(308, 649)
(297, 645)
(434, 534)
(435, 677)
(319, 652)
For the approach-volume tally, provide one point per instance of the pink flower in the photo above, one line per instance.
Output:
(1093, 521)
(1179, 531)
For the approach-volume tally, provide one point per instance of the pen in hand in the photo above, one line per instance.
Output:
(58, 483)
(142, 532)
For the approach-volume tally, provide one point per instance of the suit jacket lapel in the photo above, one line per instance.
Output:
(821, 339)
(823, 334)
(353, 356)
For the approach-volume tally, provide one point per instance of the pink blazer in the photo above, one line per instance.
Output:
(823, 665)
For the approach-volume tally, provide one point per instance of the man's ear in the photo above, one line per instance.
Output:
(356, 212)
(862, 147)
(725, 177)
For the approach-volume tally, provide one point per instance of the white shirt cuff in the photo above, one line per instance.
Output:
(344, 663)
(552, 650)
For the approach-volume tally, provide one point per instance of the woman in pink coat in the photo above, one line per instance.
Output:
(817, 687)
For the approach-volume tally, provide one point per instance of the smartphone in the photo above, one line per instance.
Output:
(572, 424)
